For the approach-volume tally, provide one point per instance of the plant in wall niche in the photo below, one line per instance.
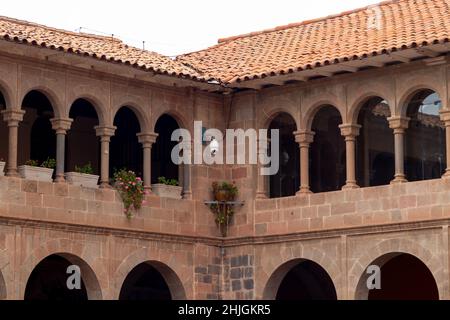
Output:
(225, 194)
(131, 189)
(86, 169)
(168, 182)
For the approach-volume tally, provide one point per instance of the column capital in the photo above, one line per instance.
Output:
(350, 130)
(105, 131)
(147, 139)
(61, 125)
(399, 124)
(13, 117)
(304, 137)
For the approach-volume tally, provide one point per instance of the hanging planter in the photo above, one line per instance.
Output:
(223, 207)
(131, 190)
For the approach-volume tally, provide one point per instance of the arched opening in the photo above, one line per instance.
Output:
(3, 132)
(162, 164)
(35, 132)
(327, 152)
(300, 280)
(83, 145)
(152, 281)
(375, 158)
(403, 277)
(125, 151)
(49, 280)
(286, 182)
(425, 155)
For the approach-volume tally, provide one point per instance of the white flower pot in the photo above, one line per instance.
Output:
(165, 191)
(82, 179)
(36, 173)
(2, 168)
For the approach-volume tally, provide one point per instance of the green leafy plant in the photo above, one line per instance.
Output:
(86, 169)
(168, 182)
(32, 163)
(131, 190)
(49, 163)
(224, 192)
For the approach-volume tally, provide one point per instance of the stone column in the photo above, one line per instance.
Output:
(60, 126)
(350, 132)
(445, 117)
(105, 134)
(261, 190)
(304, 140)
(399, 125)
(12, 117)
(147, 140)
(187, 174)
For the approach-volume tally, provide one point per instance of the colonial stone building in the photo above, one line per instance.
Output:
(361, 100)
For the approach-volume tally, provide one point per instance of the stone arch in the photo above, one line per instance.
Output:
(164, 264)
(74, 253)
(96, 103)
(312, 110)
(179, 118)
(392, 246)
(359, 102)
(137, 110)
(8, 96)
(52, 97)
(267, 119)
(408, 94)
(278, 263)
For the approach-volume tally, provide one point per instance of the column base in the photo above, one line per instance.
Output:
(187, 196)
(446, 174)
(304, 191)
(261, 195)
(59, 179)
(350, 186)
(399, 179)
(13, 173)
(105, 185)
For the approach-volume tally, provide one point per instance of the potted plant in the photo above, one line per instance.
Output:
(167, 188)
(224, 193)
(33, 171)
(131, 190)
(83, 176)
(2, 167)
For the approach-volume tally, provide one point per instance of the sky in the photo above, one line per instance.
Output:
(176, 26)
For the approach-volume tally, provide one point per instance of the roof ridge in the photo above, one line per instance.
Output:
(306, 22)
(72, 33)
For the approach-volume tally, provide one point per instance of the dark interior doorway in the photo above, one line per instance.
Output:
(48, 281)
(144, 282)
(307, 281)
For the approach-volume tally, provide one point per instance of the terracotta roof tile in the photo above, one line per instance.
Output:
(100, 47)
(309, 44)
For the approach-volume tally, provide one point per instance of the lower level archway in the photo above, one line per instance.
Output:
(152, 281)
(300, 280)
(48, 280)
(402, 277)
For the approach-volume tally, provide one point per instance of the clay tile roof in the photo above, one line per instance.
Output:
(348, 36)
(100, 47)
